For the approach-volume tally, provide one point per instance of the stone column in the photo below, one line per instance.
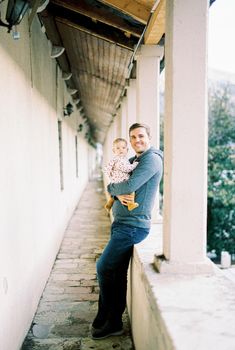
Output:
(111, 135)
(114, 130)
(118, 119)
(107, 149)
(185, 139)
(147, 76)
(131, 103)
(131, 109)
(148, 98)
(123, 115)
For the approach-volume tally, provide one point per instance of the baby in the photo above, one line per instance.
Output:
(118, 169)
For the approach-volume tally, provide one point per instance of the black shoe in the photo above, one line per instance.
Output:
(106, 331)
(99, 322)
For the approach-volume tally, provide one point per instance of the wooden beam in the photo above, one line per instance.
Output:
(98, 32)
(131, 7)
(85, 24)
(54, 37)
(100, 14)
(156, 26)
(35, 4)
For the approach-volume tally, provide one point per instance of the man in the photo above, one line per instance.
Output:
(128, 228)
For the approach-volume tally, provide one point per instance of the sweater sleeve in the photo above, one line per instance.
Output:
(147, 167)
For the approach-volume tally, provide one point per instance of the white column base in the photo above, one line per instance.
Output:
(166, 267)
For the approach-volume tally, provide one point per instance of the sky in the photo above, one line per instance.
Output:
(221, 40)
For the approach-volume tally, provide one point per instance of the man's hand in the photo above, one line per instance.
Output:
(126, 198)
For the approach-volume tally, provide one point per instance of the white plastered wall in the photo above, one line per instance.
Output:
(34, 210)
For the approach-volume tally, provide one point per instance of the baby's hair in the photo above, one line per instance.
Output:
(119, 139)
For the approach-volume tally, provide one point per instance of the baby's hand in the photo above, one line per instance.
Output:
(125, 198)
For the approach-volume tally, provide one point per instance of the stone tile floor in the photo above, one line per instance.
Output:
(69, 301)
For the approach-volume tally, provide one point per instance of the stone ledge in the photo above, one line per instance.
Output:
(189, 312)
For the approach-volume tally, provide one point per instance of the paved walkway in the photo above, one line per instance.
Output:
(69, 302)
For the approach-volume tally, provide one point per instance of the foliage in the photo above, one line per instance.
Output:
(221, 173)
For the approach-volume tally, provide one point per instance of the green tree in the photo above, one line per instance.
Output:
(221, 173)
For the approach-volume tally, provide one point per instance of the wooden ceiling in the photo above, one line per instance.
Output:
(99, 38)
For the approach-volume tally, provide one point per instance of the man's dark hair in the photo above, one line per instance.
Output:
(140, 125)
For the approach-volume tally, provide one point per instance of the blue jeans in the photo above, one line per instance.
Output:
(112, 269)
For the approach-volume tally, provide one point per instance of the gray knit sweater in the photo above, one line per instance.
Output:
(144, 182)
